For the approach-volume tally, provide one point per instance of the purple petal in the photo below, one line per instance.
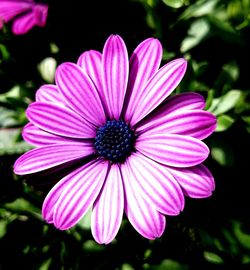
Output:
(59, 120)
(180, 102)
(108, 208)
(38, 137)
(24, 23)
(141, 214)
(46, 157)
(36, 16)
(144, 62)
(80, 93)
(49, 93)
(158, 88)
(173, 150)
(91, 63)
(155, 184)
(10, 9)
(79, 194)
(196, 182)
(53, 196)
(195, 123)
(115, 74)
(41, 14)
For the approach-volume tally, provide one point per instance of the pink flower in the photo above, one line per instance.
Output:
(24, 13)
(137, 149)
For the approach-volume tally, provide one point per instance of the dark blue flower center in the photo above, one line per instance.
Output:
(114, 141)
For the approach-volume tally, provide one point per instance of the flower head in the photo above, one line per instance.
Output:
(24, 13)
(136, 148)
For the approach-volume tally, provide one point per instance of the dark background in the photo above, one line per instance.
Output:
(211, 233)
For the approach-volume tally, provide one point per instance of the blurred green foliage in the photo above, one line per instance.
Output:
(212, 233)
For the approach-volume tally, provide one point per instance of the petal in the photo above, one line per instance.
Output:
(108, 208)
(158, 88)
(38, 137)
(41, 14)
(115, 74)
(80, 93)
(49, 93)
(141, 214)
(196, 182)
(79, 194)
(10, 9)
(24, 23)
(195, 123)
(173, 150)
(91, 63)
(46, 157)
(180, 102)
(59, 120)
(52, 197)
(155, 184)
(36, 16)
(144, 62)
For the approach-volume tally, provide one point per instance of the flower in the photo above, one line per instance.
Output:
(137, 149)
(25, 14)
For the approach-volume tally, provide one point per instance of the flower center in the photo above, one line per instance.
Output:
(114, 141)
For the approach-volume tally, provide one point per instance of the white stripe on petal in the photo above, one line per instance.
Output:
(52, 197)
(173, 150)
(180, 102)
(144, 62)
(59, 120)
(79, 194)
(158, 88)
(80, 93)
(91, 63)
(194, 123)
(108, 208)
(115, 70)
(46, 157)
(39, 137)
(156, 184)
(49, 93)
(196, 182)
(141, 214)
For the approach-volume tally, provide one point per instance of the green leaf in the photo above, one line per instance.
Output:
(213, 258)
(47, 68)
(222, 153)
(169, 265)
(209, 100)
(20, 205)
(8, 117)
(225, 103)
(4, 52)
(12, 93)
(53, 48)
(224, 30)
(3, 227)
(198, 9)
(92, 246)
(127, 266)
(232, 69)
(174, 3)
(246, 119)
(224, 122)
(243, 238)
(46, 264)
(199, 29)
(85, 222)
(9, 144)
